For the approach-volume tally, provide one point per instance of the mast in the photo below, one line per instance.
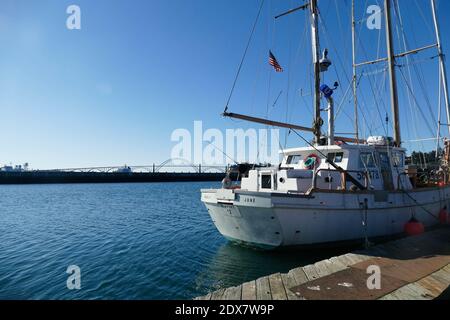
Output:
(355, 79)
(443, 73)
(331, 138)
(316, 60)
(392, 75)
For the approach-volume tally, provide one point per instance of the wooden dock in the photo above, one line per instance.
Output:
(413, 268)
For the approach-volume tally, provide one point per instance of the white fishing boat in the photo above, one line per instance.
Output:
(337, 189)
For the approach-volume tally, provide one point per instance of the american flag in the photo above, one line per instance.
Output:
(274, 63)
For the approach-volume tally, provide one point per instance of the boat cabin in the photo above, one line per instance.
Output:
(375, 166)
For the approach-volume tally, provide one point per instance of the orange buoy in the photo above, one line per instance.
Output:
(414, 227)
(443, 215)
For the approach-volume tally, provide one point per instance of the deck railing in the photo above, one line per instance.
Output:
(343, 176)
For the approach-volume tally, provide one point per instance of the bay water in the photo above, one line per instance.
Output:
(130, 241)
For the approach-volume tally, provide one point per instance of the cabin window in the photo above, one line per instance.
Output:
(336, 157)
(266, 181)
(366, 160)
(294, 159)
(384, 160)
(398, 159)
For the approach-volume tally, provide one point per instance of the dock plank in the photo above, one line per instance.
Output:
(405, 293)
(249, 290)
(233, 293)
(263, 289)
(299, 275)
(344, 260)
(443, 276)
(217, 295)
(337, 260)
(289, 282)
(356, 258)
(311, 272)
(434, 286)
(276, 287)
(423, 292)
(207, 297)
(322, 269)
(335, 265)
(389, 296)
(446, 268)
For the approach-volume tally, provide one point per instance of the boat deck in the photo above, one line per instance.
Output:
(413, 268)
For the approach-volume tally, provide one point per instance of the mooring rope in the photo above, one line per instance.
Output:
(245, 54)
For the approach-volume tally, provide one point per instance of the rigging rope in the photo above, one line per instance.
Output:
(418, 71)
(342, 65)
(301, 45)
(407, 65)
(288, 84)
(425, 20)
(438, 143)
(416, 102)
(270, 40)
(371, 84)
(245, 54)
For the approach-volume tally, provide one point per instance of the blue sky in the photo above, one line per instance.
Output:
(113, 92)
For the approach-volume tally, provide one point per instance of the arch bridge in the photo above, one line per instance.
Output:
(169, 166)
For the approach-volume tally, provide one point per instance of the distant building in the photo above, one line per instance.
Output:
(17, 168)
(124, 169)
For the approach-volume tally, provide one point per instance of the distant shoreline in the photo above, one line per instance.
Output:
(55, 177)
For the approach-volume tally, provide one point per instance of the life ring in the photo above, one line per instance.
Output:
(312, 161)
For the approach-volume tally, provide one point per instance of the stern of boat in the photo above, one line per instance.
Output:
(252, 223)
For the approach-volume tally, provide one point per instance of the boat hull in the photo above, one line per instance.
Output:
(270, 220)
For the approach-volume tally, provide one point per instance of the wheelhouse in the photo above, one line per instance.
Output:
(328, 168)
